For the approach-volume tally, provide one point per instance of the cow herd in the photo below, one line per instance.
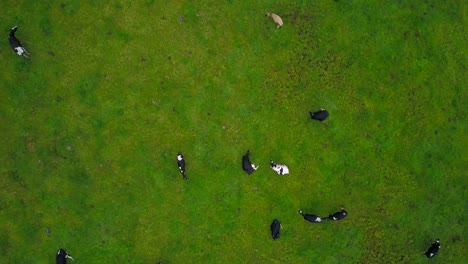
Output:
(282, 169)
(275, 226)
(247, 165)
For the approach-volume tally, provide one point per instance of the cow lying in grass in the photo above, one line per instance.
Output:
(181, 165)
(338, 215)
(432, 251)
(16, 44)
(281, 169)
(319, 115)
(62, 256)
(275, 229)
(310, 217)
(248, 166)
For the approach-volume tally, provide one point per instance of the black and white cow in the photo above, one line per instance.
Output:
(338, 215)
(310, 217)
(275, 229)
(281, 169)
(432, 251)
(248, 166)
(16, 44)
(62, 256)
(181, 165)
(319, 115)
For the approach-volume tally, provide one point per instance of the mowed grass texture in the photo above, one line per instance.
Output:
(92, 123)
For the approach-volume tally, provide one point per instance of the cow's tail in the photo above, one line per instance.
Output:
(70, 257)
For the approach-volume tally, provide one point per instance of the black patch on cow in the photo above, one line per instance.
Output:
(275, 229)
(433, 250)
(246, 164)
(61, 256)
(319, 115)
(338, 215)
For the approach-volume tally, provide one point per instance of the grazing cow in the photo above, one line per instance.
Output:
(310, 217)
(276, 18)
(248, 166)
(281, 169)
(319, 115)
(16, 44)
(62, 256)
(432, 251)
(275, 229)
(181, 165)
(338, 215)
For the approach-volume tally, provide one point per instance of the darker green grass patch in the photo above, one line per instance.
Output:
(85, 89)
(69, 7)
(80, 178)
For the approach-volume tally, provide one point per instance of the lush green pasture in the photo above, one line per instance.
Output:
(90, 127)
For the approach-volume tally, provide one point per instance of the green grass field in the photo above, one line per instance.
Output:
(92, 123)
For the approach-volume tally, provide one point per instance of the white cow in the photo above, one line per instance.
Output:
(276, 18)
(281, 169)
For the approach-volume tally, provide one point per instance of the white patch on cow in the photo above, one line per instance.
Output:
(58, 252)
(19, 50)
(431, 254)
(179, 157)
(318, 219)
(254, 167)
(281, 169)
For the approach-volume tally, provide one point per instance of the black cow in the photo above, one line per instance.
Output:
(432, 251)
(16, 44)
(310, 217)
(319, 115)
(248, 166)
(62, 256)
(181, 165)
(275, 229)
(338, 215)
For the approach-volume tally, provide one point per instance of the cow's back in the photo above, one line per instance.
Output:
(246, 164)
(311, 217)
(61, 257)
(319, 115)
(275, 229)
